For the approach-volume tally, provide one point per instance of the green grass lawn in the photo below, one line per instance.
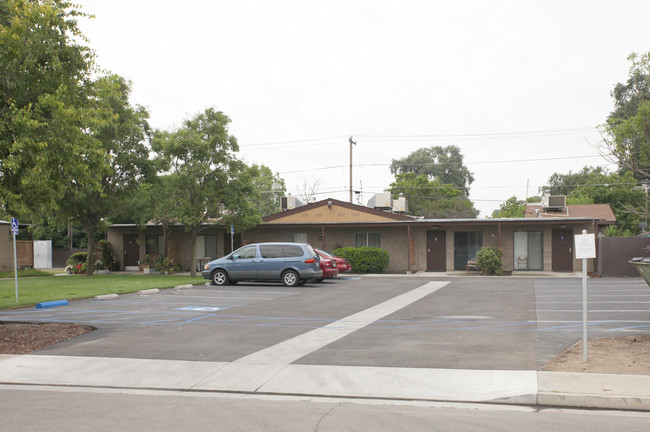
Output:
(33, 290)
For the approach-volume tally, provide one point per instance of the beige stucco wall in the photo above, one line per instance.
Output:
(116, 238)
(393, 238)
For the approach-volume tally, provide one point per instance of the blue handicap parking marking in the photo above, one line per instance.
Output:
(348, 277)
(202, 308)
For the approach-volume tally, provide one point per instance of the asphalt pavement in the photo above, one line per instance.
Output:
(404, 338)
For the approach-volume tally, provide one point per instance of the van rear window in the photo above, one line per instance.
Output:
(271, 251)
(292, 251)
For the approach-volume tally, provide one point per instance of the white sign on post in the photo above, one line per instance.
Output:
(585, 247)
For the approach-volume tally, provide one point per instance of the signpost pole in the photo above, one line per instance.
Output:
(585, 248)
(232, 238)
(14, 233)
(585, 320)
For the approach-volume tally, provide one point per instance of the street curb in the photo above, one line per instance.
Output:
(593, 390)
(576, 400)
(183, 287)
(106, 297)
(149, 291)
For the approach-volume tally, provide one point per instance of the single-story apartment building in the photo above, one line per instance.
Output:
(413, 244)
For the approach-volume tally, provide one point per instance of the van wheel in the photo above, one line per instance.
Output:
(220, 277)
(290, 278)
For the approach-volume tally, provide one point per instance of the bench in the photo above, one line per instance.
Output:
(472, 265)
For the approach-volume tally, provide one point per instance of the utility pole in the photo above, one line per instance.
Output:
(351, 143)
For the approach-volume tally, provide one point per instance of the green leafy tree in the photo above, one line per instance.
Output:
(512, 208)
(44, 86)
(212, 183)
(444, 164)
(120, 162)
(564, 184)
(597, 186)
(626, 134)
(432, 199)
(619, 191)
(269, 188)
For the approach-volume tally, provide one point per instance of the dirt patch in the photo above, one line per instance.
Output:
(622, 355)
(23, 338)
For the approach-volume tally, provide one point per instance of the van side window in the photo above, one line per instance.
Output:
(292, 251)
(245, 252)
(271, 251)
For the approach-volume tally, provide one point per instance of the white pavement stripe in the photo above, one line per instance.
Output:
(291, 350)
(251, 372)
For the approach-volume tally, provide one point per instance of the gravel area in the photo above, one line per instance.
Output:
(23, 338)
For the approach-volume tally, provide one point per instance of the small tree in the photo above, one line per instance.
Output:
(489, 260)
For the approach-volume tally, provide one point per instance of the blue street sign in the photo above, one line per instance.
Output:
(14, 226)
(232, 229)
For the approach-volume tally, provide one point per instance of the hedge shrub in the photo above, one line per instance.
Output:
(489, 260)
(364, 259)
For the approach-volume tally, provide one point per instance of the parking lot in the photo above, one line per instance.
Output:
(468, 323)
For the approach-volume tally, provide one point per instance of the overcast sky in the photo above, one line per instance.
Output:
(519, 86)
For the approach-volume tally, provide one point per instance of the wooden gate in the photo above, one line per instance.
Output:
(25, 253)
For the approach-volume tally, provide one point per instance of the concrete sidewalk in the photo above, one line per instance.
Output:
(622, 392)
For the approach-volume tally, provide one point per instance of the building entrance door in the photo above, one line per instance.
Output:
(131, 250)
(562, 250)
(436, 251)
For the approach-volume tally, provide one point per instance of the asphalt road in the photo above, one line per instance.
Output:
(469, 323)
(69, 410)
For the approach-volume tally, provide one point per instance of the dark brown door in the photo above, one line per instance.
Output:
(436, 251)
(131, 250)
(562, 250)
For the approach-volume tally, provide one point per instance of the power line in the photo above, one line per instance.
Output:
(424, 137)
(448, 163)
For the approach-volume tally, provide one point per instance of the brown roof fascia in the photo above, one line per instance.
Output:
(347, 205)
(443, 223)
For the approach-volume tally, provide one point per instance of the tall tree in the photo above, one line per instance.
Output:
(564, 184)
(44, 85)
(269, 189)
(626, 134)
(212, 183)
(432, 199)
(119, 164)
(598, 186)
(442, 163)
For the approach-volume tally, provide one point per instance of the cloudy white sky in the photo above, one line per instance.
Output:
(519, 86)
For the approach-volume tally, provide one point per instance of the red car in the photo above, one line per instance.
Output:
(341, 263)
(329, 268)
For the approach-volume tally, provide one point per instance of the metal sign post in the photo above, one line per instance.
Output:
(14, 233)
(585, 248)
(232, 238)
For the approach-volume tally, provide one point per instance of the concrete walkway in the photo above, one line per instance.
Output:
(603, 391)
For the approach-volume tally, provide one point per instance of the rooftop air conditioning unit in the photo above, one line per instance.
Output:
(290, 202)
(554, 202)
(400, 205)
(381, 201)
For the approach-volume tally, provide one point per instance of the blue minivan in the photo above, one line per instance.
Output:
(289, 263)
